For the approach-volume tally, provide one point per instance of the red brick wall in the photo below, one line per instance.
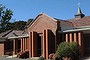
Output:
(74, 37)
(42, 23)
(1, 49)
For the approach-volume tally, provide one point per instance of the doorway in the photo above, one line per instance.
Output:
(87, 44)
(39, 44)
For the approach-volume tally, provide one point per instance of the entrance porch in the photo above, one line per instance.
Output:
(42, 44)
(12, 47)
(16, 45)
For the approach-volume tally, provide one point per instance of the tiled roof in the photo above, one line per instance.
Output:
(85, 21)
(66, 22)
(4, 33)
(14, 33)
(11, 33)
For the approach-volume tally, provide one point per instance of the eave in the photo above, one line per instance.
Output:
(76, 30)
(15, 37)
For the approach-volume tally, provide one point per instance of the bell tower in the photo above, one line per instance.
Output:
(79, 13)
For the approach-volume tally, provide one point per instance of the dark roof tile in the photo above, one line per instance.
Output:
(85, 21)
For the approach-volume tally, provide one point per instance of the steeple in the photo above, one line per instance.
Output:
(79, 13)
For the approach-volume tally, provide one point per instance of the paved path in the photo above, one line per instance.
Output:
(4, 58)
(88, 58)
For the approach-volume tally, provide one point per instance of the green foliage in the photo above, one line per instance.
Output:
(68, 50)
(29, 21)
(75, 50)
(10, 26)
(5, 16)
(41, 58)
(19, 25)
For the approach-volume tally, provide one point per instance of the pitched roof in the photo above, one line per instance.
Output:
(85, 21)
(66, 22)
(11, 33)
(75, 22)
(14, 33)
(39, 16)
(33, 20)
(4, 33)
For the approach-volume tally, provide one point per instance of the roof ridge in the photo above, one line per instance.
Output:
(7, 33)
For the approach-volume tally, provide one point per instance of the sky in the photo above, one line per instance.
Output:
(61, 9)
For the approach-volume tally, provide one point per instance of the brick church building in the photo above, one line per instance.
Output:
(44, 33)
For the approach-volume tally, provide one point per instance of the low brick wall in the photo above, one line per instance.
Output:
(1, 49)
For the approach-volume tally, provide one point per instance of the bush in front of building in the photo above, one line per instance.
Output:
(41, 58)
(68, 51)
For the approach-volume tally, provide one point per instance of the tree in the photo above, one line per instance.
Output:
(5, 17)
(29, 21)
(19, 25)
(10, 26)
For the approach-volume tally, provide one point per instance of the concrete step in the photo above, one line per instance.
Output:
(13, 56)
(35, 58)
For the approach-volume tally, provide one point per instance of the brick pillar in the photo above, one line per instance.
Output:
(21, 45)
(30, 44)
(44, 44)
(25, 43)
(80, 42)
(70, 37)
(75, 37)
(67, 38)
(14, 47)
(79, 38)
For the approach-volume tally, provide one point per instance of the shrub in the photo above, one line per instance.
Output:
(75, 49)
(70, 50)
(41, 58)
